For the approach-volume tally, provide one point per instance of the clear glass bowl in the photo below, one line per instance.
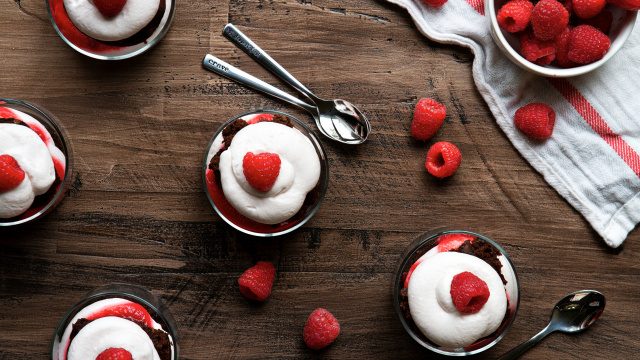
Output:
(419, 247)
(45, 203)
(311, 205)
(101, 50)
(159, 312)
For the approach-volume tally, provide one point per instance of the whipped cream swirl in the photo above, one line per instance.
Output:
(107, 332)
(432, 308)
(112, 332)
(135, 15)
(299, 171)
(35, 153)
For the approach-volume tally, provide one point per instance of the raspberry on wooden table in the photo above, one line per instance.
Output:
(257, 281)
(443, 159)
(428, 117)
(321, 329)
(535, 120)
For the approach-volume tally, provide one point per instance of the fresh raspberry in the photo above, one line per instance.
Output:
(586, 9)
(562, 49)
(443, 159)
(448, 242)
(428, 117)
(536, 120)
(11, 175)
(256, 282)
(261, 170)
(537, 51)
(548, 19)
(109, 8)
(568, 4)
(435, 3)
(515, 15)
(321, 329)
(587, 44)
(602, 21)
(468, 292)
(115, 354)
(626, 4)
(130, 311)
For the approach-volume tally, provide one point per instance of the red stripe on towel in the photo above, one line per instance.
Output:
(597, 123)
(478, 5)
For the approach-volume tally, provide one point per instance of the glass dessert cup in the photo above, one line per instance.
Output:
(231, 216)
(45, 203)
(111, 50)
(417, 249)
(136, 294)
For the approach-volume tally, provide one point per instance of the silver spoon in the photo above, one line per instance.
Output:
(337, 119)
(349, 122)
(573, 314)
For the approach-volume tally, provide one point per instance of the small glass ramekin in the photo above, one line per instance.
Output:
(102, 50)
(158, 311)
(61, 139)
(312, 202)
(419, 247)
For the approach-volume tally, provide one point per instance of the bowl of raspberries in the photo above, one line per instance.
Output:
(561, 38)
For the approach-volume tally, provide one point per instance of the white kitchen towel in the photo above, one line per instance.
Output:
(593, 158)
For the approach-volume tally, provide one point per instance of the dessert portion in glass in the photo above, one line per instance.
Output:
(117, 321)
(456, 292)
(265, 173)
(35, 162)
(111, 29)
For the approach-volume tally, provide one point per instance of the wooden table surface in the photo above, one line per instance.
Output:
(137, 212)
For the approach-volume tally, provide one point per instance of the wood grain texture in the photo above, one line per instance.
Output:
(137, 212)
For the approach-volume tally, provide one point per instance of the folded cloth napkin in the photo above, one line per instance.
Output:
(592, 158)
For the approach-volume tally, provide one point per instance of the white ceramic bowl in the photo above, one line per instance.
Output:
(623, 23)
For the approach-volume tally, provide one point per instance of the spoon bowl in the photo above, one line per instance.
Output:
(346, 121)
(577, 311)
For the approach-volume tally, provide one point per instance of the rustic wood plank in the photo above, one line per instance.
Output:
(137, 213)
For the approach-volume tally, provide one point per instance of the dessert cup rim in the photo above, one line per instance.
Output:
(323, 181)
(430, 237)
(148, 46)
(51, 121)
(125, 291)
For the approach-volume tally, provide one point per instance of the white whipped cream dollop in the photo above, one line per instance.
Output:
(135, 15)
(106, 334)
(299, 172)
(112, 332)
(35, 159)
(432, 308)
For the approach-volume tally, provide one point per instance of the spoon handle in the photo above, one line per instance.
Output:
(222, 68)
(260, 56)
(525, 346)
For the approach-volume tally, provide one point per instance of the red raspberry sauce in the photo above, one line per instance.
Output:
(71, 32)
(223, 205)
